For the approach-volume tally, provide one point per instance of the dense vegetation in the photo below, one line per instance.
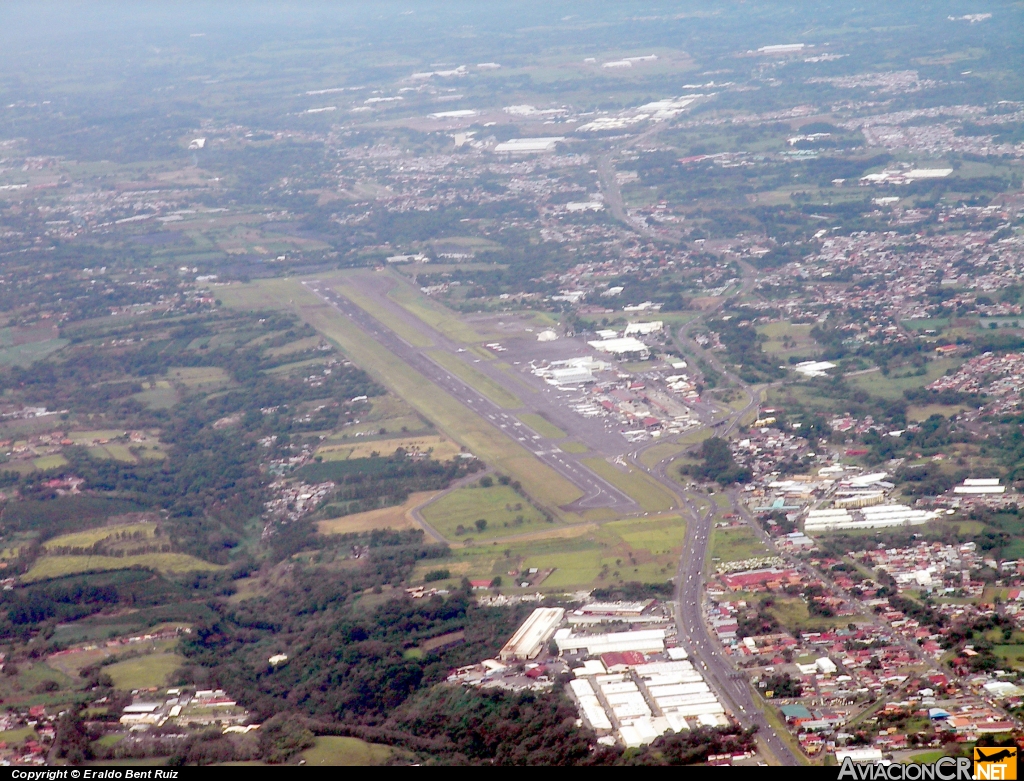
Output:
(718, 463)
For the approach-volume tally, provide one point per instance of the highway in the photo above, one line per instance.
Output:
(730, 684)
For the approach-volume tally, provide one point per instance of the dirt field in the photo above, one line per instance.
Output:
(398, 517)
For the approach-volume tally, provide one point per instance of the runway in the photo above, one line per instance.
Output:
(597, 492)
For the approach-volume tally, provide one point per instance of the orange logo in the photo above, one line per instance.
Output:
(998, 764)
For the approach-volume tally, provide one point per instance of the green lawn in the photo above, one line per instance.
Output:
(656, 537)
(59, 566)
(542, 427)
(573, 447)
(787, 339)
(735, 544)
(144, 671)
(499, 505)
(50, 462)
(16, 736)
(587, 556)
(89, 537)
(639, 486)
(340, 752)
(892, 387)
(927, 757)
(1013, 655)
(791, 612)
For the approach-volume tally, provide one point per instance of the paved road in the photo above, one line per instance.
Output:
(730, 684)
(597, 492)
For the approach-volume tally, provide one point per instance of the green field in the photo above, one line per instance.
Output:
(543, 427)
(620, 551)
(481, 382)
(657, 538)
(144, 671)
(499, 505)
(892, 387)
(346, 752)
(92, 536)
(469, 429)
(640, 487)
(658, 453)
(205, 378)
(735, 544)
(583, 556)
(1012, 655)
(162, 396)
(49, 462)
(25, 354)
(791, 612)
(926, 757)
(787, 339)
(59, 566)
(573, 447)
(14, 737)
(294, 347)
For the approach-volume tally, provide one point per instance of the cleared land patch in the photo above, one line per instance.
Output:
(901, 378)
(652, 456)
(397, 517)
(204, 378)
(792, 613)
(335, 751)
(153, 669)
(128, 533)
(167, 563)
(735, 544)
(582, 556)
(299, 345)
(438, 447)
(71, 663)
(787, 339)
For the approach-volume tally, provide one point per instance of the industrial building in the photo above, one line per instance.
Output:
(573, 375)
(644, 329)
(856, 499)
(813, 368)
(980, 486)
(782, 48)
(876, 517)
(529, 145)
(645, 641)
(626, 347)
(646, 700)
(529, 639)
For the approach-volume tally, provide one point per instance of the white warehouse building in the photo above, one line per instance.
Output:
(626, 346)
(878, 517)
(529, 639)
